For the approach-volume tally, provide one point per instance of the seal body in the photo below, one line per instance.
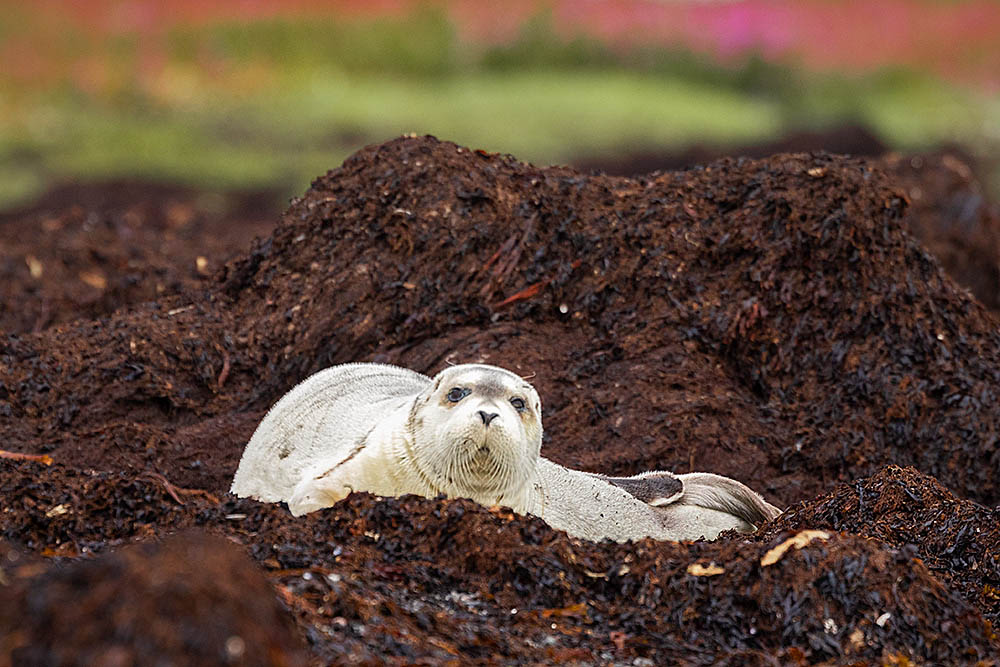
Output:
(473, 431)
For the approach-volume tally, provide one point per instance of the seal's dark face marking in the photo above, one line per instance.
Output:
(485, 385)
(488, 385)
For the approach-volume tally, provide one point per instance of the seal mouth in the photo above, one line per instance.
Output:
(480, 471)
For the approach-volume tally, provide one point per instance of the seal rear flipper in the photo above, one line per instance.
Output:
(723, 494)
(657, 487)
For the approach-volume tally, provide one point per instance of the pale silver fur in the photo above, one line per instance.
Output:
(391, 431)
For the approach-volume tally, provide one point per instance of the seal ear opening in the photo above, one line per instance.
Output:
(654, 488)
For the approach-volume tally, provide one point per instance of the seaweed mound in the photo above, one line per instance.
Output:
(766, 319)
(193, 599)
(83, 252)
(428, 581)
(958, 540)
(951, 215)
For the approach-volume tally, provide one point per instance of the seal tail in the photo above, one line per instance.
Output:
(726, 495)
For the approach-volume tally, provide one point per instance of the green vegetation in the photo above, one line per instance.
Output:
(278, 102)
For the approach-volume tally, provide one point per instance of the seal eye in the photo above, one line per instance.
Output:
(457, 394)
(518, 404)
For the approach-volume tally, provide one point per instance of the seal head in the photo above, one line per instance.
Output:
(477, 433)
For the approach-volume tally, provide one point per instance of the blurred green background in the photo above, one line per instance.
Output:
(272, 94)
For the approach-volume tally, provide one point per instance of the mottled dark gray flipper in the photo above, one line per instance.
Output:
(655, 488)
(660, 488)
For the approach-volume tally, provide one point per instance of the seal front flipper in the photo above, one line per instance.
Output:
(656, 487)
(316, 492)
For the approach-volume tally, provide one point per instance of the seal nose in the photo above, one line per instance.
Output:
(487, 417)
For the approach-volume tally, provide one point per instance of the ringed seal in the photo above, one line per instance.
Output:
(473, 431)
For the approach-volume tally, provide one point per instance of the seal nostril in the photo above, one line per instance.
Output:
(487, 417)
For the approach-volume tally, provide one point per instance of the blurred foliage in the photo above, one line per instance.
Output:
(276, 102)
(538, 47)
(424, 44)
